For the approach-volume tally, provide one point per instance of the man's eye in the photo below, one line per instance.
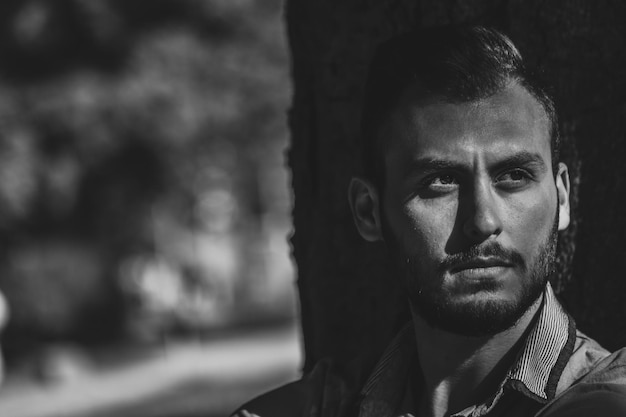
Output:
(513, 178)
(444, 179)
(434, 185)
(441, 181)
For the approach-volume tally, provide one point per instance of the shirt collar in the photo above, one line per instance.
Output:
(535, 373)
(546, 352)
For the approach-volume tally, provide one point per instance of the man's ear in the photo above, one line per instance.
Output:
(365, 205)
(562, 190)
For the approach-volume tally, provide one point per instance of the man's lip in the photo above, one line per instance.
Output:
(479, 263)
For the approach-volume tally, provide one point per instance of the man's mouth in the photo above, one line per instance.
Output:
(481, 264)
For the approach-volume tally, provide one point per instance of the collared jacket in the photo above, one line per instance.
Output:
(559, 372)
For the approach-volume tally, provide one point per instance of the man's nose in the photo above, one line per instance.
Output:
(483, 218)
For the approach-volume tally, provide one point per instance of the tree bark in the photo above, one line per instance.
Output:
(349, 300)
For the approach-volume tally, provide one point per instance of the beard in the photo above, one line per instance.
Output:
(478, 317)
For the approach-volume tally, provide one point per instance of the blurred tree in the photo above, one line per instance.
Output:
(348, 298)
(132, 131)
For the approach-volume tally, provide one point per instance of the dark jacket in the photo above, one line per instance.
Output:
(558, 372)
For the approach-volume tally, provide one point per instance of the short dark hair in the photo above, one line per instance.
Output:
(457, 63)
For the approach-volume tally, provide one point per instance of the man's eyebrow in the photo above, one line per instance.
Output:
(524, 159)
(520, 159)
(428, 165)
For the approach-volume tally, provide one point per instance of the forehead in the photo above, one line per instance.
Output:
(508, 121)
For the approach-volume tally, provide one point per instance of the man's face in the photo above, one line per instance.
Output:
(470, 209)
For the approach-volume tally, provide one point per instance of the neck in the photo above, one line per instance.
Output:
(459, 371)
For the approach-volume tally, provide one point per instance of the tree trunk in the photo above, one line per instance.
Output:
(349, 301)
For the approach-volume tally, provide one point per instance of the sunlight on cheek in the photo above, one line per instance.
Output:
(427, 222)
(533, 216)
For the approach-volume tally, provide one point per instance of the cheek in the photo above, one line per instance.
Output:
(426, 227)
(533, 218)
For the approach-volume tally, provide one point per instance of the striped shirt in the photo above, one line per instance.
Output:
(557, 372)
(530, 383)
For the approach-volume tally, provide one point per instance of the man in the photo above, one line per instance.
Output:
(464, 186)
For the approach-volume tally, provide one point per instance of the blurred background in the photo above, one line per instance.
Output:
(144, 207)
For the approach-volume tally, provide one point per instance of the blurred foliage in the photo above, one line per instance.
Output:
(140, 141)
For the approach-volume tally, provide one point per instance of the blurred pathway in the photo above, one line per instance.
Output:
(186, 379)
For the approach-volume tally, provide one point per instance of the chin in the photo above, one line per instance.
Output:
(480, 314)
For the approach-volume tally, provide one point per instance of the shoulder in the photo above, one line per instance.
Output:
(585, 356)
(289, 400)
(605, 403)
(610, 371)
(601, 392)
(322, 388)
(329, 389)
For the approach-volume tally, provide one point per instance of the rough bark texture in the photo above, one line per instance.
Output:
(348, 299)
